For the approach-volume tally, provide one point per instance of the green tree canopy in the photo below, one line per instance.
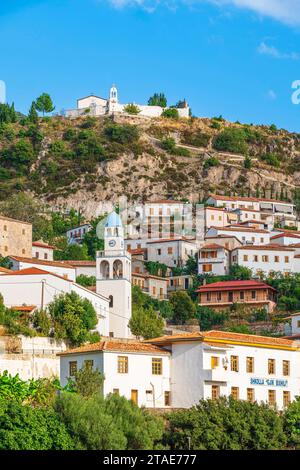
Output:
(158, 99)
(183, 307)
(44, 104)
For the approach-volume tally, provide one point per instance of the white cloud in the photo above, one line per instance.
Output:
(286, 11)
(272, 51)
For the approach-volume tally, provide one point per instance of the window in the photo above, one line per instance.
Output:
(298, 324)
(37, 255)
(215, 392)
(214, 362)
(253, 294)
(250, 394)
(116, 391)
(234, 363)
(235, 392)
(207, 268)
(242, 295)
(286, 398)
(262, 240)
(156, 366)
(286, 368)
(23, 251)
(286, 259)
(167, 398)
(208, 296)
(89, 363)
(271, 366)
(265, 258)
(250, 365)
(111, 301)
(153, 290)
(212, 217)
(123, 364)
(272, 397)
(245, 258)
(5, 228)
(45, 255)
(72, 368)
(23, 231)
(276, 259)
(255, 258)
(219, 296)
(159, 252)
(170, 250)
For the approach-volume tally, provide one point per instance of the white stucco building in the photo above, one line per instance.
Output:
(94, 105)
(185, 368)
(265, 259)
(36, 287)
(138, 371)
(43, 251)
(113, 276)
(214, 259)
(246, 235)
(56, 267)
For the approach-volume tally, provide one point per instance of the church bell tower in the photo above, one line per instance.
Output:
(114, 276)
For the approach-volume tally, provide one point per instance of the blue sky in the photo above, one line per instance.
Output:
(237, 58)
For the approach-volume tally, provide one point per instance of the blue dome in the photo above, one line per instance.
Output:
(113, 220)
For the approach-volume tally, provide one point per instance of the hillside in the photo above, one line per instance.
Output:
(77, 163)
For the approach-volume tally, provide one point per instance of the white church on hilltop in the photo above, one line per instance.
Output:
(93, 105)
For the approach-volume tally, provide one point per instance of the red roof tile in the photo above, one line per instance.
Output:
(234, 285)
(118, 346)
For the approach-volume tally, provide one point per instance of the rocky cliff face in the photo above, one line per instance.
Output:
(87, 163)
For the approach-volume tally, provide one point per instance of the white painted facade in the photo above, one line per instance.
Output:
(244, 235)
(113, 276)
(59, 268)
(214, 260)
(265, 259)
(39, 288)
(76, 234)
(42, 251)
(191, 364)
(278, 208)
(172, 252)
(96, 106)
(150, 387)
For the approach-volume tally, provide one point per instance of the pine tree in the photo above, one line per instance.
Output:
(33, 115)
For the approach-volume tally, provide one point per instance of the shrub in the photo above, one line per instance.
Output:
(123, 134)
(271, 159)
(25, 428)
(211, 162)
(132, 109)
(209, 318)
(231, 140)
(183, 307)
(111, 423)
(225, 424)
(86, 281)
(170, 113)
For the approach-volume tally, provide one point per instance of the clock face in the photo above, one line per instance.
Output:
(112, 243)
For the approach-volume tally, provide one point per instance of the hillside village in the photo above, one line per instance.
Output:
(153, 255)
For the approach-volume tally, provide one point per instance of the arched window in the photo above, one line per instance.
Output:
(117, 269)
(104, 269)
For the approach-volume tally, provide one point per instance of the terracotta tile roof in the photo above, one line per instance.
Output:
(212, 246)
(74, 263)
(224, 336)
(240, 229)
(221, 209)
(242, 198)
(286, 235)
(23, 308)
(252, 221)
(118, 346)
(42, 262)
(234, 285)
(148, 276)
(137, 251)
(43, 245)
(178, 239)
(33, 271)
(271, 247)
(4, 270)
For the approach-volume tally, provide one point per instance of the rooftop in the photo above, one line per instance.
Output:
(234, 285)
(227, 337)
(43, 245)
(241, 229)
(42, 262)
(243, 198)
(118, 346)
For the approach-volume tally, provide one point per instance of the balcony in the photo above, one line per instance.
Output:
(219, 374)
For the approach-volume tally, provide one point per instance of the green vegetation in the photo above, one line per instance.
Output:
(170, 113)
(183, 307)
(158, 99)
(44, 104)
(7, 113)
(271, 159)
(132, 108)
(226, 424)
(169, 145)
(155, 268)
(87, 382)
(146, 320)
(231, 140)
(211, 162)
(86, 281)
